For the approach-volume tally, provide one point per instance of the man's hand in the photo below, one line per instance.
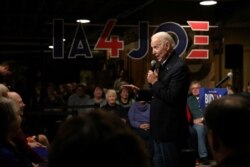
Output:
(199, 121)
(152, 76)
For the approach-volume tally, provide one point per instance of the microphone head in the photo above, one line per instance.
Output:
(152, 64)
(230, 74)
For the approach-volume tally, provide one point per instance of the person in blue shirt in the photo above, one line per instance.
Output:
(139, 118)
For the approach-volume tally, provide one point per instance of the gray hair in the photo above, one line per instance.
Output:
(164, 37)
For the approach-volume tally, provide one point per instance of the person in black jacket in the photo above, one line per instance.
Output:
(97, 138)
(226, 120)
(169, 82)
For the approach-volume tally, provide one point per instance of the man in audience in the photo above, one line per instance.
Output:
(28, 146)
(97, 138)
(227, 123)
(198, 120)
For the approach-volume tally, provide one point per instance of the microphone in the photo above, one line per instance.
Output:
(229, 75)
(152, 65)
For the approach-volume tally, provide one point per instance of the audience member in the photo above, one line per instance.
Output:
(227, 123)
(29, 144)
(139, 118)
(122, 79)
(52, 99)
(65, 90)
(79, 101)
(10, 126)
(97, 138)
(98, 97)
(37, 96)
(198, 120)
(113, 107)
(125, 98)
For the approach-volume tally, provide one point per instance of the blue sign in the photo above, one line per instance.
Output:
(207, 95)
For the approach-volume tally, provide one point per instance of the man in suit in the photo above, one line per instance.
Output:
(169, 89)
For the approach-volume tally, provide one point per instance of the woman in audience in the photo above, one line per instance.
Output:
(125, 99)
(98, 97)
(113, 107)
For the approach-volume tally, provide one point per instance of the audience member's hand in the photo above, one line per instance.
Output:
(35, 144)
(144, 126)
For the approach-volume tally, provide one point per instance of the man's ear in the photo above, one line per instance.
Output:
(167, 45)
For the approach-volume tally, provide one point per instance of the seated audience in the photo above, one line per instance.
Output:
(227, 123)
(97, 138)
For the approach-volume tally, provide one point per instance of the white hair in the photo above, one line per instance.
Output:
(164, 36)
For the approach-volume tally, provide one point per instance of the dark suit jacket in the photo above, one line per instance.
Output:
(168, 122)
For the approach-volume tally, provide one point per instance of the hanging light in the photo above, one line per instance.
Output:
(82, 21)
(208, 2)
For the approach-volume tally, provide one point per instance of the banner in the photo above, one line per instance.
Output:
(207, 95)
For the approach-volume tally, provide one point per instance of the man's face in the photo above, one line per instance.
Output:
(195, 89)
(19, 102)
(159, 49)
(111, 98)
(124, 93)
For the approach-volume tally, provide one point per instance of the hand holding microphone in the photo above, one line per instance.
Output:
(152, 75)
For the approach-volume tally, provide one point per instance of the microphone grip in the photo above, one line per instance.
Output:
(152, 68)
